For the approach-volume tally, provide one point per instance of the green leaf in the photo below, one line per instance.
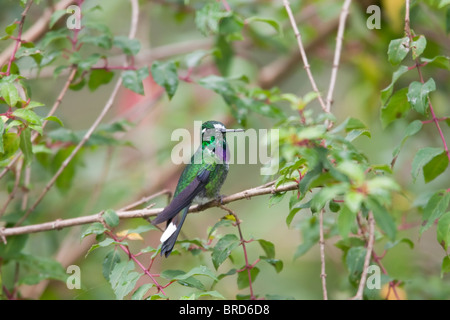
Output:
(355, 263)
(418, 95)
(132, 79)
(346, 221)
(94, 228)
(273, 23)
(387, 92)
(445, 267)
(382, 217)
(435, 167)
(13, 247)
(40, 268)
(165, 74)
(418, 46)
(55, 17)
(10, 28)
(111, 218)
(112, 258)
(207, 19)
(243, 280)
(395, 108)
(99, 77)
(64, 181)
(11, 143)
(129, 46)
(26, 145)
(28, 115)
(9, 93)
(443, 231)
(141, 291)
(309, 229)
(422, 157)
(123, 279)
(276, 263)
(442, 62)
(434, 209)
(268, 248)
(413, 128)
(198, 295)
(223, 249)
(2, 129)
(55, 119)
(398, 49)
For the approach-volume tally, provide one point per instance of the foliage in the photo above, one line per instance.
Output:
(343, 168)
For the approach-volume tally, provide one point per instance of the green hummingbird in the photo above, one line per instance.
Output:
(199, 182)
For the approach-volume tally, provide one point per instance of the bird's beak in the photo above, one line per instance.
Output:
(232, 130)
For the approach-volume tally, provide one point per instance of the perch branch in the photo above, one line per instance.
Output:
(142, 213)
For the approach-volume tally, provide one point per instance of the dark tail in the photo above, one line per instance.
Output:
(167, 246)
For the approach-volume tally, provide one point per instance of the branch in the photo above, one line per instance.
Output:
(19, 37)
(142, 213)
(323, 275)
(371, 240)
(418, 67)
(303, 53)
(337, 53)
(38, 28)
(52, 111)
(109, 103)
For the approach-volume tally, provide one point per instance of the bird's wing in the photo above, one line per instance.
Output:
(184, 198)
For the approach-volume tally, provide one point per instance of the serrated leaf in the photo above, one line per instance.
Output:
(418, 95)
(422, 157)
(132, 79)
(111, 259)
(398, 49)
(141, 291)
(28, 115)
(165, 74)
(223, 249)
(207, 19)
(123, 279)
(9, 93)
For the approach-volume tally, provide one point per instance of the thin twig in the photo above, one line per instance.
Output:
(37, 29)
(248, 267)
(323, 275)
(142, 213)
(51, 112)
(109, 103)
(370, 242)
(337, 53)
(303, 53)
(19, 37)
(418, 67)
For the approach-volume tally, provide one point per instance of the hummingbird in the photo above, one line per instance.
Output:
(200, 181)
